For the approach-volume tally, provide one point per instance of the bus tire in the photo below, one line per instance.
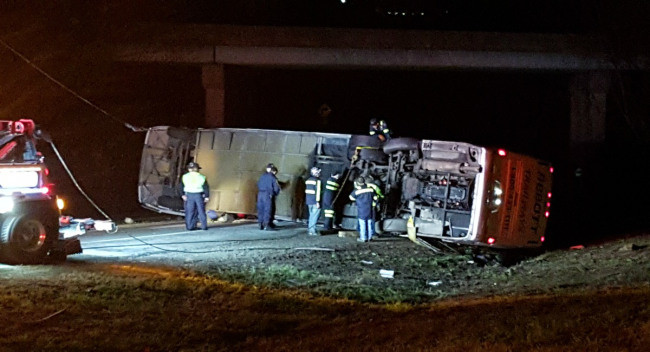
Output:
(373, 155)
(401, 144)
(184, 134)
(394, 225)
(358, 140)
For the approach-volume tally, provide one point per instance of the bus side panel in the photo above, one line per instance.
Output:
(234, 159)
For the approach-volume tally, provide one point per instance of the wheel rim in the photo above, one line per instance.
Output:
(30, 236)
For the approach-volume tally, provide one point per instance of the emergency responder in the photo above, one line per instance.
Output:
(380, 130)
(195, 194)
(370, 182)
(312, 198)
(365, 197)
(274, 171)
(332, 186)
(267, 188)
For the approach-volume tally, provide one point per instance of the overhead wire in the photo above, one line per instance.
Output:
(69, 90)
(84, 100)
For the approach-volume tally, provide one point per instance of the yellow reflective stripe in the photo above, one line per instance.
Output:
(310, 191)
(365, 190)
(318, 190)
(310, 182)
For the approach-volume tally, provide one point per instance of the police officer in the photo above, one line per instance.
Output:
(332, 187)
(312, 198)
(365, 197)
(380, 129)
(267, 188)
(195, 195)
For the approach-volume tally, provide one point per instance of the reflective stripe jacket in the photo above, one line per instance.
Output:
(365, 198)
(331, 188)
(194, 182)
(312, 190)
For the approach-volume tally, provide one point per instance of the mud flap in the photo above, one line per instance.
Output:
(411, 231)
(70, 246)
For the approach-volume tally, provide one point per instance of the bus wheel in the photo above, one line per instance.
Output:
(373, 155)
(401, 144)
(24, 240)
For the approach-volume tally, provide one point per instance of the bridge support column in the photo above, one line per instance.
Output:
(213, 78)
(588, 93)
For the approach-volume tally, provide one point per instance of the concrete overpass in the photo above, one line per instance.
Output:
(214, 47)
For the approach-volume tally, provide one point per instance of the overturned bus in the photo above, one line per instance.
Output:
(441, 191)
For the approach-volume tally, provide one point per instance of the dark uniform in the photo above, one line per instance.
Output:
(332, 186)
(380, 130)
(365, 197)
(195, 192)
(312, 198)
(267, 189)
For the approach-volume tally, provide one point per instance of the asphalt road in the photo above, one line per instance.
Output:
(172, 244)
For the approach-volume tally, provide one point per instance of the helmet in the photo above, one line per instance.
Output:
(193, 165)
(269, 167)
(336, 174)
(383, 124)
(359, 181)
(315, 171)
(274, 170)
(373, 121)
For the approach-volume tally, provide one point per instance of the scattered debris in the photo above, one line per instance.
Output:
(226, 218)
(434, 283)
(49, 316)
(348, 234)
(315, 249)
(128, 221)
(367, 262)
(387, 274)
(577, 247)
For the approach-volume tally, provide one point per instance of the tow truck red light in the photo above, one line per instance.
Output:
(549, 195)
(551, 169)
(47, 172)
(542, 239)
(491, 240)
(548, 204)
(45, 190)
(547, 213)
(501, 152)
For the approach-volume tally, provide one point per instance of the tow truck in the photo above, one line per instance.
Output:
(31, 231)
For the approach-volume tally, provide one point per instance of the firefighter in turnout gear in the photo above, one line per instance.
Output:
(267, 188)
(195, 194)
(313, 198)
(332, 187)
(380, 130)
(365, 197)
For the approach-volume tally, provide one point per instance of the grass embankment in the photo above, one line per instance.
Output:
(131, 308)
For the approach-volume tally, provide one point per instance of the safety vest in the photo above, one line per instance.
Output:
(332, 184)
(193, 182)
(312, 190)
